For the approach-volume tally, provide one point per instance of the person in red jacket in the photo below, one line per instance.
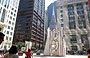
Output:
(29, 54)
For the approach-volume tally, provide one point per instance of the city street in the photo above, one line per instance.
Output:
(67, 56)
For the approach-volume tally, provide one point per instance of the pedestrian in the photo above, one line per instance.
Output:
(12, 53)
(88, 51)
(29, 54)
(1, 37)
(1, 40)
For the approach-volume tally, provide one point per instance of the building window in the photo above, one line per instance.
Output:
(6, 37)
(13, 19)
(14, 14)
(61, 6)
(12, 8)
(10, 33)
(74, 48)
(8, 27)
(11, 28)
(9, 22)
(62, 25)
(10, 38)
(81, 22)
(10, 17)
(71, 17)
(7, 32)
(15, 10)
(79, 6)
(61, 15)
(73, 39)
(12, 23)
(3, 15)
(11, 13)
(83, 37)
(38, 22)
(61, 11)
(72, 25)
(70, 7)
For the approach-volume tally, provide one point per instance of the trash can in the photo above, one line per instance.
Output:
(20, 53)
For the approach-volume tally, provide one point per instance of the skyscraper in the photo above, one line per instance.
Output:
(8, 14)
(30, 22)
(50, 11)
(75, 15)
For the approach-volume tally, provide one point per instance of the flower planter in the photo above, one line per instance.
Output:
(20, 53)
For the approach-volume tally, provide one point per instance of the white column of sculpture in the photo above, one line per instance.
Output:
(47, 49)
(55, 42)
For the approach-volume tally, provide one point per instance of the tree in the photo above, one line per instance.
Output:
(19, 45)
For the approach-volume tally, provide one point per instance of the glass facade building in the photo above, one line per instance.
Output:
(30, 22)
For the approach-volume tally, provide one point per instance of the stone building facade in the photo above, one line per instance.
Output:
(75, 15)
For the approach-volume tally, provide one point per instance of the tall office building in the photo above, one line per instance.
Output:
(75, 15)
(49, 12)
(8, 14)
(30, 22)
(45, 27)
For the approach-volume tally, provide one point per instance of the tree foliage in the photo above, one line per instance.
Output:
(19, 45)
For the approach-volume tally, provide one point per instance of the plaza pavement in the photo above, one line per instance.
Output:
(67, 56)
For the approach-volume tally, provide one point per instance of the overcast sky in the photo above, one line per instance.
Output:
(48, 2)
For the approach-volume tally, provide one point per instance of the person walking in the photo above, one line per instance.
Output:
(12, 53)
(1, 40)
(29, 54)
(88, 51)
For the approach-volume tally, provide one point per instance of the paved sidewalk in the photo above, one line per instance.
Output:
(67, 56)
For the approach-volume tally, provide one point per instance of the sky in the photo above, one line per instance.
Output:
(48, 2)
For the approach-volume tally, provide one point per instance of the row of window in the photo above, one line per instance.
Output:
(74, 39)
(80, 12)
(8, 3)
(8, 38)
